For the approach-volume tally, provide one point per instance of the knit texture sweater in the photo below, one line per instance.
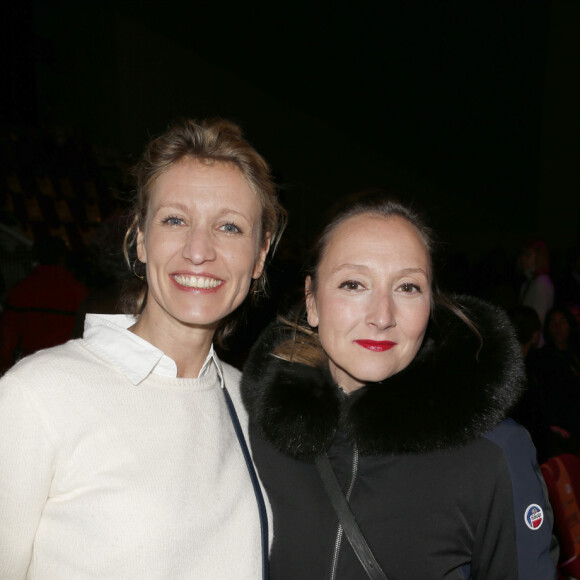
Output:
(104, 479)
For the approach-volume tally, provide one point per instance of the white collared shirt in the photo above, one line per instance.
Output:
(135, 357)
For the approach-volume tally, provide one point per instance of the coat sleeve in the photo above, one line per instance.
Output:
(26, 467)
(516, 533)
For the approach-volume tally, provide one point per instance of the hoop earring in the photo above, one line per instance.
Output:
(259, 286)
(135, 272)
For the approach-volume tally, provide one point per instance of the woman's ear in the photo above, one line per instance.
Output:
(311, 310)
(141, 251)
(261, 258)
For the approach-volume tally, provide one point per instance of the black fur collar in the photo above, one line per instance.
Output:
(447, 396)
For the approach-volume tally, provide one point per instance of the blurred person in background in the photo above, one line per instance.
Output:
(533, 410)
(537, 291)
(557, 368)
(40, 310)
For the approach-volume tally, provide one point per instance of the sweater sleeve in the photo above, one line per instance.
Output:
(26, 467)
(517, 532)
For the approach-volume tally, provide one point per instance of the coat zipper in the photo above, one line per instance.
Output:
(340, 531)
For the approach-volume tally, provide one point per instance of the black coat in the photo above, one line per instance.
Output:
(439, 483)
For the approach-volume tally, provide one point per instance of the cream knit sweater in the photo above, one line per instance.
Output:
(102, 479)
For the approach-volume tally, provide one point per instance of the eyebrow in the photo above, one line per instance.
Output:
(360, 267)
(184, 208)
(177, 205)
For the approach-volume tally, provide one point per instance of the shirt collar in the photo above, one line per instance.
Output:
(135, 357)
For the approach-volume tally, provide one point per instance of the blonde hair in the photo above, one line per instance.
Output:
(216, 140)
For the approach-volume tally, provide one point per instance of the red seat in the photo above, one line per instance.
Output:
(562, 476)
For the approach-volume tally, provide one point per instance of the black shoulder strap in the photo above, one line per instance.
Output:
(255, 483)
(346, 517)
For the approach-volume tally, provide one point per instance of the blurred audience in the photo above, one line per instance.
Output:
(556, 368)
(529, 410)
(568, 288)
(550, 406)
(40, 310)
(538, 290)
(106, 271)
(528, 328)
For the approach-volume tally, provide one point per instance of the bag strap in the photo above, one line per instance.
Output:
(255, 482)
(347, 520)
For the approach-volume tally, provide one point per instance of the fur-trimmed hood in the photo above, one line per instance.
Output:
(450, 394)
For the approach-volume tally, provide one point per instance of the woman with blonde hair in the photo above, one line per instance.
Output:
(123, 453)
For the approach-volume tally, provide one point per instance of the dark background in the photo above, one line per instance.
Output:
(468, 108)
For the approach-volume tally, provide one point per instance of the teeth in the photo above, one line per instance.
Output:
(197, 282)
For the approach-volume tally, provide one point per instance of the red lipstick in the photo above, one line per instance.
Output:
(376, 345)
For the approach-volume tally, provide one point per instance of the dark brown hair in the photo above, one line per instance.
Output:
(305, 347)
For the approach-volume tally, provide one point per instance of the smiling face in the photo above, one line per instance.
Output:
(372, 299)
(201, 245)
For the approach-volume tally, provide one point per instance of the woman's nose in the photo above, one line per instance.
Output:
(199, 246)
(381, 313)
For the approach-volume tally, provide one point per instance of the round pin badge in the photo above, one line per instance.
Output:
(534, 516)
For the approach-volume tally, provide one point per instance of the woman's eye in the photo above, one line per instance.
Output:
(173, 221)
(351, 285)
(409, 288)
(231, 228)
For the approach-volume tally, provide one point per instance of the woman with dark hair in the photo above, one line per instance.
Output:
(557, 368)
(561, 330)
(377, 419)
(123, 453)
